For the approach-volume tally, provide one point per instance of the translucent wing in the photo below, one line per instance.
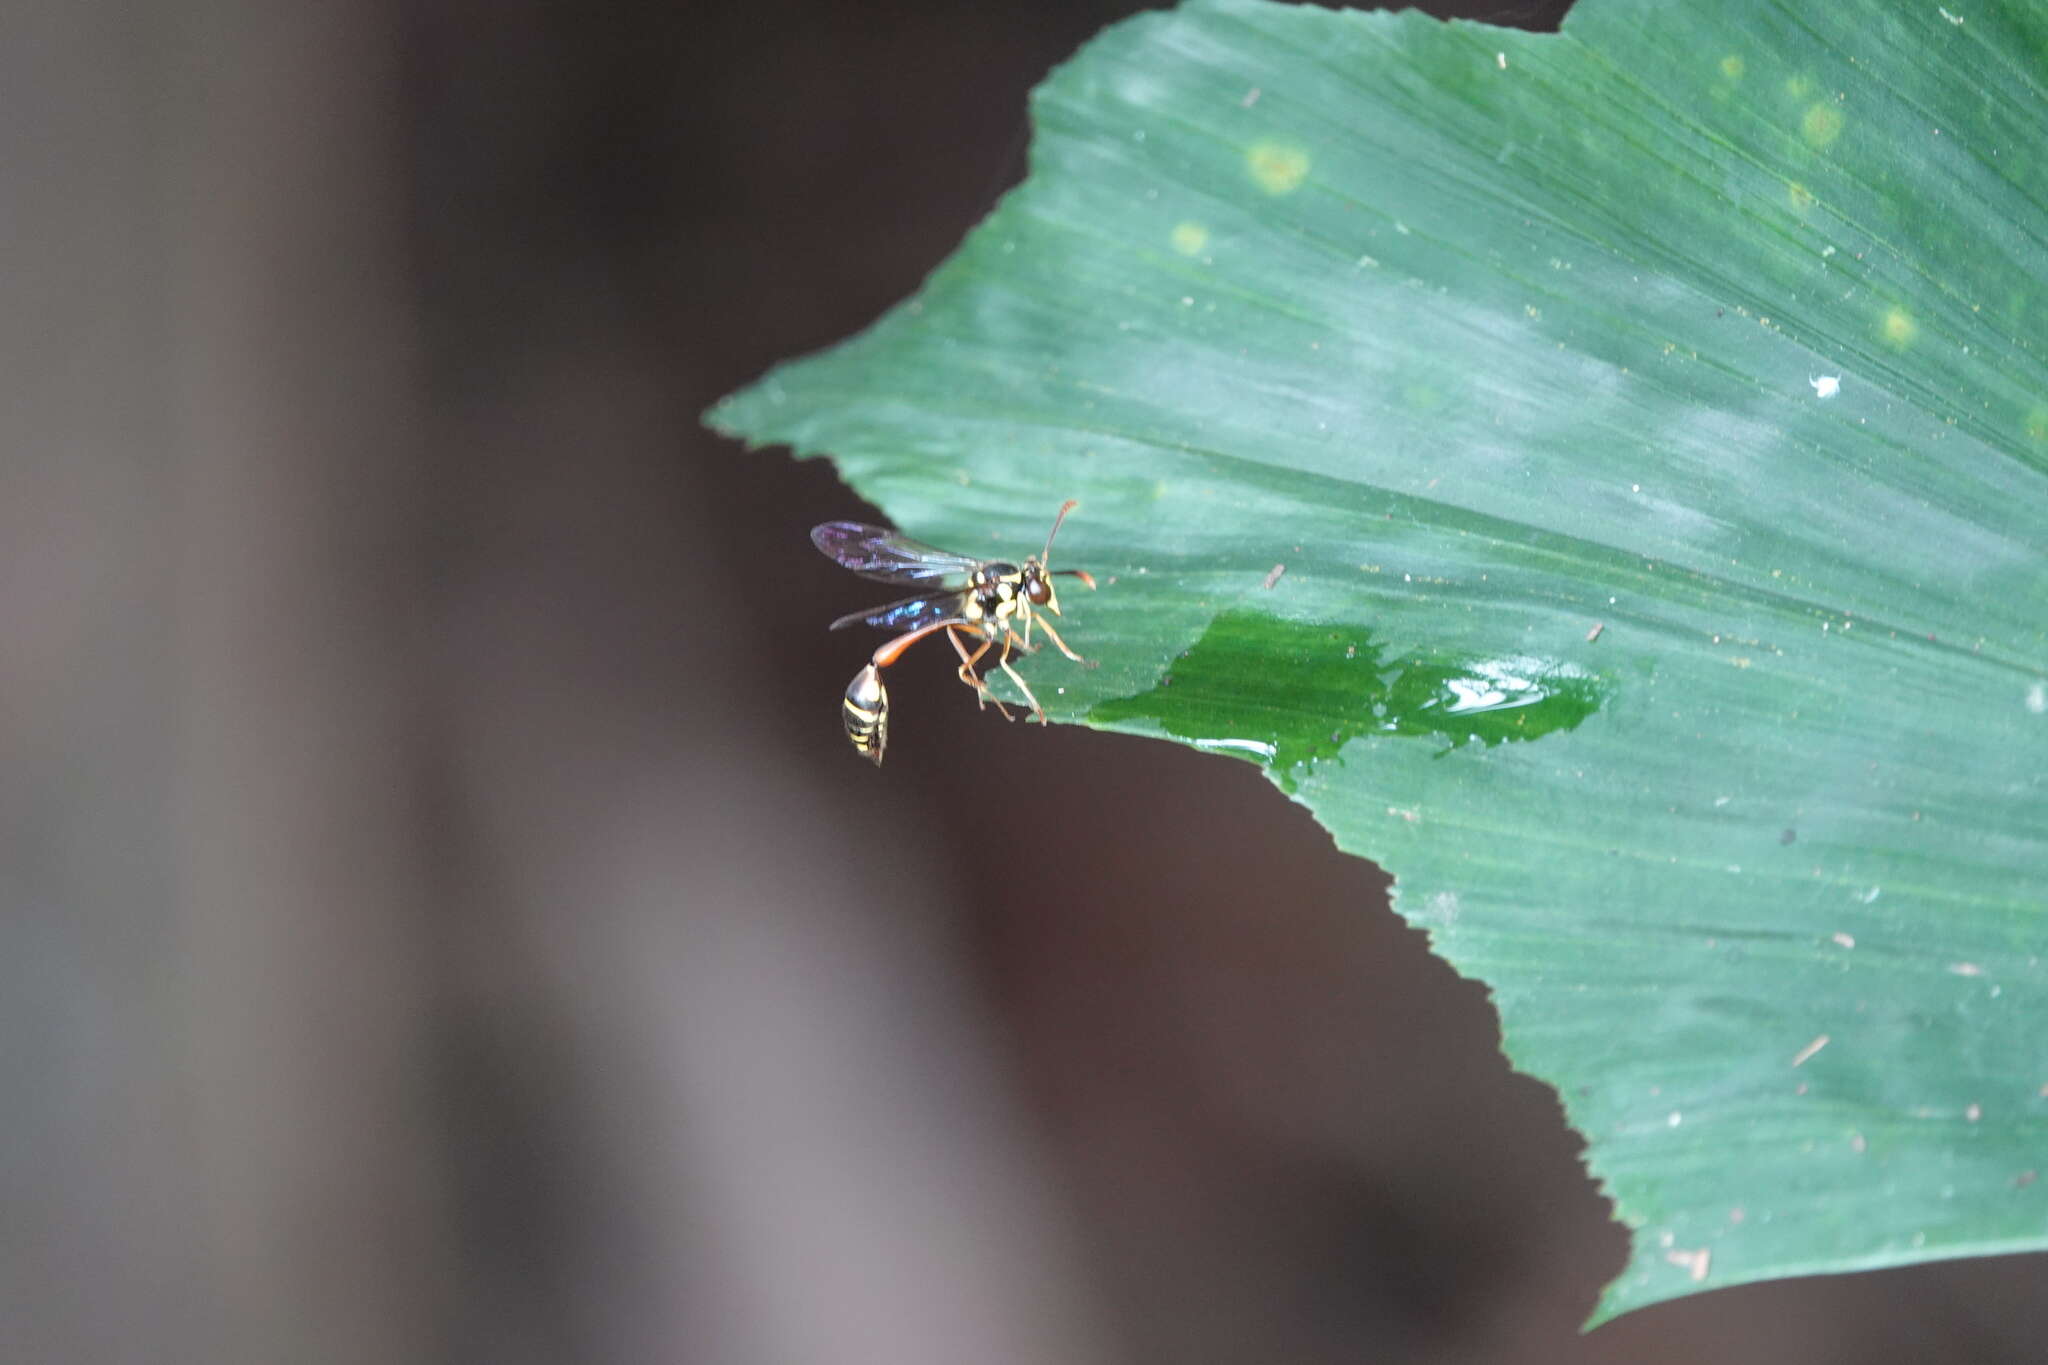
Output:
(881, 554)
(909, 614)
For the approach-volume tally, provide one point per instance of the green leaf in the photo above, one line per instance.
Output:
(1649, 424)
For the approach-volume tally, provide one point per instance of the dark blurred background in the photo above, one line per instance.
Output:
(440, 919)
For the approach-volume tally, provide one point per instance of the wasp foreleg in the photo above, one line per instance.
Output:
(1054, 636)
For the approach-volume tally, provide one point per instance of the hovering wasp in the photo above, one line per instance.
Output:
(977, 602)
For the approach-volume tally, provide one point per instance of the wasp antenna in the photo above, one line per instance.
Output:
(1069, 505)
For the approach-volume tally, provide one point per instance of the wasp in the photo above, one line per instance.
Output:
(978, 604)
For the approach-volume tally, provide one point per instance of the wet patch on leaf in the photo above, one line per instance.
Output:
(1290, 694)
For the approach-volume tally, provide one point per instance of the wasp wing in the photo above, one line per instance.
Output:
(881, 554)
(912, 613)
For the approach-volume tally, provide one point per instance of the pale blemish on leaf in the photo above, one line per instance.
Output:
(1731, 67)
(1799, 197)
(1821, 125)
(1899, 327)
(1189, 239)
(1807, 1053)
(2036, 425)
(1694, 1263)
(1277, 167)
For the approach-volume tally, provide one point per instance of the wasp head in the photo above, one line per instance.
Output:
(1036, 587)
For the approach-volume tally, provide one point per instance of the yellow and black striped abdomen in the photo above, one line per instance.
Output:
(866, 712)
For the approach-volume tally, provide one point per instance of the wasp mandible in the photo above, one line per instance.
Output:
(975, 602)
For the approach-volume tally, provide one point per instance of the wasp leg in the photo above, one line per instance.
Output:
(967, 673)
(1054, 636)
(1003, 662)
(1024, 687)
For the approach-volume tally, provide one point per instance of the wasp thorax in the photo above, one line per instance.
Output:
(991, 591)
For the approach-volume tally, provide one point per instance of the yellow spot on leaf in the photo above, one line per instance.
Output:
(1190, 238)
(1731, 67)
(1800, 197)
(1821, 125)
(2037, 425)
(1899, 327)
(1277, 167)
